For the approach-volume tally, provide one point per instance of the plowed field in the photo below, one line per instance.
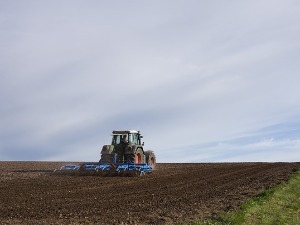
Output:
(31, 194)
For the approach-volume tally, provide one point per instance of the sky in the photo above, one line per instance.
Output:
(204, 81)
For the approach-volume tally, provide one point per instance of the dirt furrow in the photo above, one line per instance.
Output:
(31, 194)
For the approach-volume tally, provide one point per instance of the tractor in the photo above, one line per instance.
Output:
(124, 156)
(127, 147)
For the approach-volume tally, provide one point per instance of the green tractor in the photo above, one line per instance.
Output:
(127, 147)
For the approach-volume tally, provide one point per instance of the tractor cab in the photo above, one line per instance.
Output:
(131, 137)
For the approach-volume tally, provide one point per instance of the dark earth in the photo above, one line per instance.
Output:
(32, 194)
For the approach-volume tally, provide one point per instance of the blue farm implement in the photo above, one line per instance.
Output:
(101, 169)
(125, 156)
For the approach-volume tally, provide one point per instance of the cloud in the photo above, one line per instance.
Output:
(189, 75)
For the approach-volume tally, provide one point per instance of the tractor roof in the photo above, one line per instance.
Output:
(118, 132)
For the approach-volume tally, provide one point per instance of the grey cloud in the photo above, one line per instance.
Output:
(194, 72)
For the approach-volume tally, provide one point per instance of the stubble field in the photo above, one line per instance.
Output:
(30, 193)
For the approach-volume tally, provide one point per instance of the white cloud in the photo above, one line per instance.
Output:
(268, 150)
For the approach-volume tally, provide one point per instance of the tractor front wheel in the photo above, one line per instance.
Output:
(137, 157)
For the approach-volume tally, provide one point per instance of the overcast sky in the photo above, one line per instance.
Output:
(204, 81)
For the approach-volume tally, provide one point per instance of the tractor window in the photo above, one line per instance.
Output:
(133, 139)
(120, 139)
(116, 139)
(130, 138)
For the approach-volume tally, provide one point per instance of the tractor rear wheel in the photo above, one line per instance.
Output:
(106, 158)
(150, 158)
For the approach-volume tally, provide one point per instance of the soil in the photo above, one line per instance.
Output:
(30, 193)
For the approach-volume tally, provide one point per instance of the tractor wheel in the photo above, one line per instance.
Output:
(106, 158)
(137, 157)
(150, 158)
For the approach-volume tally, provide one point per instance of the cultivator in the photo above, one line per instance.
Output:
(125, 156)
(100, 169)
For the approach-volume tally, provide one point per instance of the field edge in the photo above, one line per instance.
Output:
(278, 205)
